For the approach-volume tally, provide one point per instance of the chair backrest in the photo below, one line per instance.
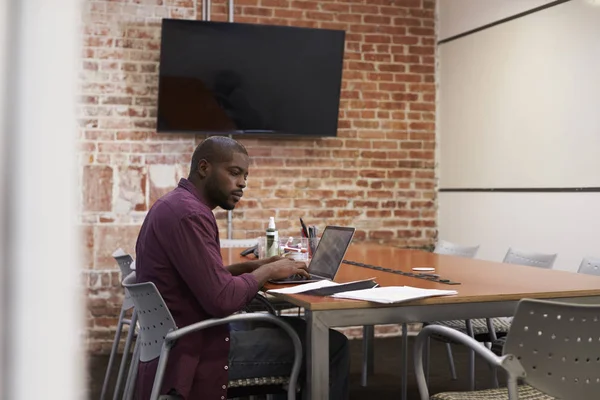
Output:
(127, 301)
(449, 248)
(241, 243)
(154, 318)
(124, 261)
(558, 345)
(540, 260)
(590, 266)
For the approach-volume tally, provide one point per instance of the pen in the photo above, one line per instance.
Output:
(304, 230)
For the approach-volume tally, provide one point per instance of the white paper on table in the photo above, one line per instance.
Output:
(393, 294)
(305, 287)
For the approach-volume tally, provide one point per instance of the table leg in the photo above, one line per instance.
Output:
(404, 361)
(368, 356)
(317, 356)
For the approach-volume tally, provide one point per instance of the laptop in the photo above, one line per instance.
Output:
(328, 256)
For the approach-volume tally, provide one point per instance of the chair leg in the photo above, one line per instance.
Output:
(426, 359)
(160, 370)
(494, 371)
(404, 361)
(113, 353)
(471, 358)
(367, 367)
(133, 366)
(126, 351)
(451, 361)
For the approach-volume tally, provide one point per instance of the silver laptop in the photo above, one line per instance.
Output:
(328, 256)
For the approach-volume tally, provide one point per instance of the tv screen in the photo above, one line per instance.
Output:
(233, 78)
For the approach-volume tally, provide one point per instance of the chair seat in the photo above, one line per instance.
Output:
(501, 325)
(526, 392)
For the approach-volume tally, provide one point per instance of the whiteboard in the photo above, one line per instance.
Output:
(520, 102)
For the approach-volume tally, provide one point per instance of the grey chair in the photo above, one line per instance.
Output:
(541, 260)
(157, 339)
(552, 348)
(519, 257)
(453, 249)
(486, 329)
(124, 262)
(590, 266)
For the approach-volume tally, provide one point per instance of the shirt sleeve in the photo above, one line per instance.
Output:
(197, 258)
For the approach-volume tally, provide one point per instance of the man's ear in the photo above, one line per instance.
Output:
(203, 168)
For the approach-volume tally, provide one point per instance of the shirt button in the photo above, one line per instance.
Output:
(222, 397)
(226, 368)
(227, 339)
(224, 387)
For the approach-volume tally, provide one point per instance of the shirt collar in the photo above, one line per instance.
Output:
(189, 186)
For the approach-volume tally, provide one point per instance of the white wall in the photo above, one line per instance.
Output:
(518, 108)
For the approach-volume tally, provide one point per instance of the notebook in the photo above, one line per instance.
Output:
(328, 256)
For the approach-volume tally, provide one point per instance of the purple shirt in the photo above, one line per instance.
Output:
(178, 250)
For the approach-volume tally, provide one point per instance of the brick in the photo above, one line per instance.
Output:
(305, 5)
(275, 3)
(376, 19)
(358, 9)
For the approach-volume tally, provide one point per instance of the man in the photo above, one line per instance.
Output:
(178, 249)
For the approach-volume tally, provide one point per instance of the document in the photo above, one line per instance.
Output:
(305, 287)
(393, 294)
(326, 288)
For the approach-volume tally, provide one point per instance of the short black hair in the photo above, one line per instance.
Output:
(216, 149)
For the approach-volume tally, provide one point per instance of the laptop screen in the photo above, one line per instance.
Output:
(331, 251)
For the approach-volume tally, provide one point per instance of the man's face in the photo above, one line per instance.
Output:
(226, 180)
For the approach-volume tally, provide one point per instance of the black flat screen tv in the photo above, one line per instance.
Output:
(234, 78)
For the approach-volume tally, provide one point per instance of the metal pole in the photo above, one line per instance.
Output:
(230, 11)
(208, 7)
(230, 218)
(229, 213)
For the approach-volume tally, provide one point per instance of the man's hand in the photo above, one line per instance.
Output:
(287, 267)
(281, 268)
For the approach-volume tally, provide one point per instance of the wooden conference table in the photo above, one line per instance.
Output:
(487, 289)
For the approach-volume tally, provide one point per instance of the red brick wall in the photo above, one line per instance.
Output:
(377, 174)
